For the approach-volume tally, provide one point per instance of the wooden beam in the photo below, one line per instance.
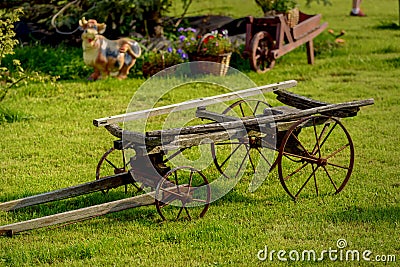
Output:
(193, 103)
(97, 185)
(295, 115)
(79, 214)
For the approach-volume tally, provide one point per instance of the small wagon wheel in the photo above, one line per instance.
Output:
(254, 148)
(260, 58)
(111, 163)
(316, 156)
(180, 189)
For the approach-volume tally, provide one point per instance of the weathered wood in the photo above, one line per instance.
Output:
(97, 185)
(190, 140)
(301, 102)
(291, 46)
(193, 103)
(202, 113)
(261, 120)
(306, 26)
(298, 101)
(79, 214)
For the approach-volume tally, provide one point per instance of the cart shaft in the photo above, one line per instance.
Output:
(79, 214)
(97, 185)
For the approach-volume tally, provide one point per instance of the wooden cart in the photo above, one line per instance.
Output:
(269, 38)
(315, 155)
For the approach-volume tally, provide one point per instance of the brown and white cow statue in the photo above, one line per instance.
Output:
(107, 57)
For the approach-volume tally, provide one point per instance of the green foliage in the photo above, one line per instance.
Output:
(276, 5)
(325, 2)
(155, 61)
(63, 61)
(284, 5)
(9, 116)
(13, 74)
(7, 34)
(213, 43)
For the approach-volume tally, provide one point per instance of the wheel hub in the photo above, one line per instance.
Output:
(322, 162)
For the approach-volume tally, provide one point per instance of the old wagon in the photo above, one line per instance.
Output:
(315, 155)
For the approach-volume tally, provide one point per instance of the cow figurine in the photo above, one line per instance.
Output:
(107, 57)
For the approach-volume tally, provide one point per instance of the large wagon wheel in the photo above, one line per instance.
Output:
(180, 189)
(111, 163)
(316, 156)
(253, 148)
(261, 59)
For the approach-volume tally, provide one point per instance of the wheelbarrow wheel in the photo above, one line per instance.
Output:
(261, 59)
(316, 156)
(232, 156)
(183, 193)
(112, 162)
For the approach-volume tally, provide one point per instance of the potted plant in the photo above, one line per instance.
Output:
(214, 46)
(287, 7)
(156, 61)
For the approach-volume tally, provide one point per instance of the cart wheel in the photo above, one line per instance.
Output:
(254, 147)
(112, 162)
(260, 58)
(180, 189)
(316, 156)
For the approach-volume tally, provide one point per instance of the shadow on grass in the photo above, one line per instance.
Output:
(367, 214)
(388, 26)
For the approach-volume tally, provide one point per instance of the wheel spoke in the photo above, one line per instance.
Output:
(330, 178)
(179, 213)
(171, 192)
(338, 166)
(190, 179)
(251, 161)
(315, 179)
(176, 181)
(262, 155)
(241, 164)
(329, 133)
(296, 171)
(109, 162)
(298, 156)
(241, 109)
(308, 179)
(337, 151)
(187, 212)
(255, 109)
(174, 155)
(317, 140)
(305, 150)
(233, 152)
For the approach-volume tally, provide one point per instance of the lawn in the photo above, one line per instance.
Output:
(57, 146)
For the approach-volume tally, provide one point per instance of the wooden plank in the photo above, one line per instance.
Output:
(79, 214)
(190, 140)
(291, 46)
(193, 103)
(202, 113)
(97, 185)
(306, 26)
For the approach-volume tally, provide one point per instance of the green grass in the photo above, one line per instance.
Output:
(57, 146)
